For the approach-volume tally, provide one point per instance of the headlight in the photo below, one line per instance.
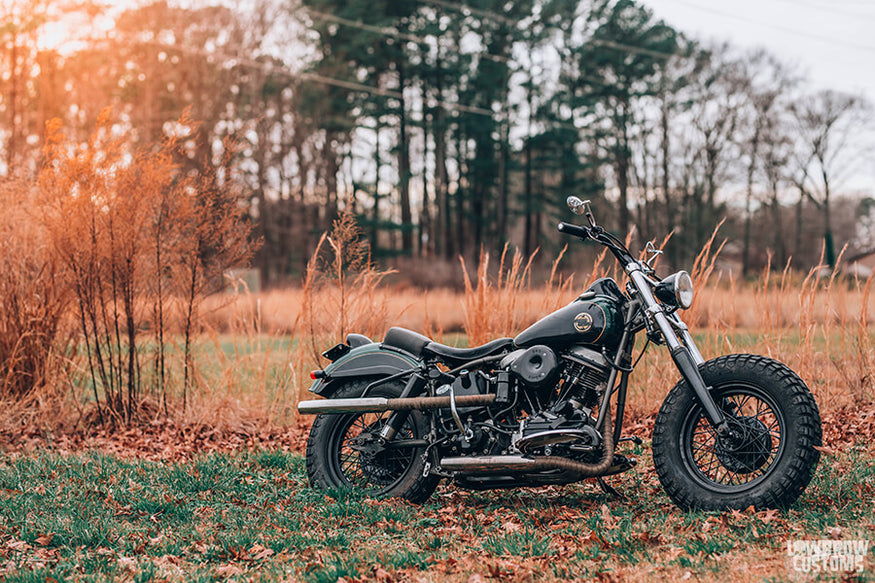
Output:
(676, 290)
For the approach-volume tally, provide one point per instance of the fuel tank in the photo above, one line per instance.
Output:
(594, 318)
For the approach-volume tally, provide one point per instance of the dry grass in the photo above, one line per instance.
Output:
(820, 328)
(250, 361)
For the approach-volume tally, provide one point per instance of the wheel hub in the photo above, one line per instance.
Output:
(378, 465)
(748, 448)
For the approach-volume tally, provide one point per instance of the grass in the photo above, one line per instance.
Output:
(251, 516)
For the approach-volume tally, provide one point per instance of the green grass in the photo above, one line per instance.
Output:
(94, 517)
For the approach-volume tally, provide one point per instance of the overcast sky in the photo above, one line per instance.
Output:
(831, 40)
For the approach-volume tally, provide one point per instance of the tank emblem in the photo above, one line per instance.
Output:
(582, 322)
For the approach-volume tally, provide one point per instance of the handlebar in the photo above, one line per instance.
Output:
(570, 229)
(602, 237)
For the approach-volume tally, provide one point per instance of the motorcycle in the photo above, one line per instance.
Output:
(400, 415)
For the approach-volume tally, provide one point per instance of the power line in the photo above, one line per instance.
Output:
(391, 32)
(317, 78)
(465, 9)
(831, 9)
(384, 30)
(813, 36)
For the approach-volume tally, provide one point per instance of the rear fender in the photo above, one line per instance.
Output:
(369, 360)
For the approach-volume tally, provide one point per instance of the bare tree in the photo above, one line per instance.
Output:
(767, 83)
(827, 123)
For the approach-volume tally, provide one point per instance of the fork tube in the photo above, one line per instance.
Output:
(683, 357)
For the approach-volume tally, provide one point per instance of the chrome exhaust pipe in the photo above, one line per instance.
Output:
(489, 464)
(379, 404)
(373, 404)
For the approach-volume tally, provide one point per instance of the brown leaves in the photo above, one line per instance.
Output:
(45, 540)
(18, 545)
(228, 570)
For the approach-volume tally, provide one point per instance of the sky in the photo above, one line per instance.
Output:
(830, 40)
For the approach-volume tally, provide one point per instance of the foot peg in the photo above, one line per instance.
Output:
(620, 464)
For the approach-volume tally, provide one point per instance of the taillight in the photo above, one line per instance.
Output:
(317, 374)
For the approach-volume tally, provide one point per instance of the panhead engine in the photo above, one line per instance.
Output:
(586, 374)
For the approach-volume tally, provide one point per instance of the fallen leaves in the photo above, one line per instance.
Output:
(229, 570)
(45, 540)
(18, 545)
(825, 449)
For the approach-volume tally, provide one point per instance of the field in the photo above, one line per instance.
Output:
(218, 490)
(250, 515)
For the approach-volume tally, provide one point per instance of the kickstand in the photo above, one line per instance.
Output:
(608, 489)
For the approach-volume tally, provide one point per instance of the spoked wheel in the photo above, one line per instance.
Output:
(770, 458)
(344, 451)
(730, 465)
(360, 461)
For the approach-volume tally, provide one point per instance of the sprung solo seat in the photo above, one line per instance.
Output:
(421, 346)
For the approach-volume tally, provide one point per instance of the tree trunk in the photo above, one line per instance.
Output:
(622, 161)
(404, 168)
(748, 199)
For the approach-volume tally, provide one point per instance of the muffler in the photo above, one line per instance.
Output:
(379, 404)
(498, 464)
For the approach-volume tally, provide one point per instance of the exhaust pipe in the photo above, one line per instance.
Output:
(379, 404)
(497, 464)
(489, 464)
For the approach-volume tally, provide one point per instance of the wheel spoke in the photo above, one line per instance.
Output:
(752, 456)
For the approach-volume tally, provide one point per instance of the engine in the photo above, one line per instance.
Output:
(551, 412)
(585, 376)
(564, 423)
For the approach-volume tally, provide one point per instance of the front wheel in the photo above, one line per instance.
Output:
(770, 460)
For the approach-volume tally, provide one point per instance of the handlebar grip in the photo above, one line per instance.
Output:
(570, 229)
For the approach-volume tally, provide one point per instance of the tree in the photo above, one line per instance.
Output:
(766, 86)
(827, 122)
(619, 62)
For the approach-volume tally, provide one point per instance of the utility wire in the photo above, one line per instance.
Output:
(317, 78)
(813, 36)
(832, 8)
(391, 32)
(465, 9)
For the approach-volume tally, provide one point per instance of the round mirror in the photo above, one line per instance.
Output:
(576, 205)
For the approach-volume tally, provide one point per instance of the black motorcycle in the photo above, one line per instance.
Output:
(400, 415)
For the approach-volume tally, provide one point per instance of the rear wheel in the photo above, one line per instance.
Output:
(344, 450)
(771, 458)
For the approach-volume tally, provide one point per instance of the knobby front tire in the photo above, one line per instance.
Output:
(772, 410)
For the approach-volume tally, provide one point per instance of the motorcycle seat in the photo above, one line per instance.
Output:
(419, 345)
(406, 340)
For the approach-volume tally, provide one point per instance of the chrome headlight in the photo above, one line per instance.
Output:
(676, 290)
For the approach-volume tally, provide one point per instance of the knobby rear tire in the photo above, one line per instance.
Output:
(326, 471)
(791, 464)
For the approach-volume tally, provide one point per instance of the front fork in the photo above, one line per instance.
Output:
(683, 350)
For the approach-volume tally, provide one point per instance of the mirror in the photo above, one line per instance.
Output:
(576, 205)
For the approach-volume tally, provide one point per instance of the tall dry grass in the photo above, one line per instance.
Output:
(123, 245)
(35, 336)
(820, 326)
(138, 248)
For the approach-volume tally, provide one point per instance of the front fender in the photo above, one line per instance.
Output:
(370, 360)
